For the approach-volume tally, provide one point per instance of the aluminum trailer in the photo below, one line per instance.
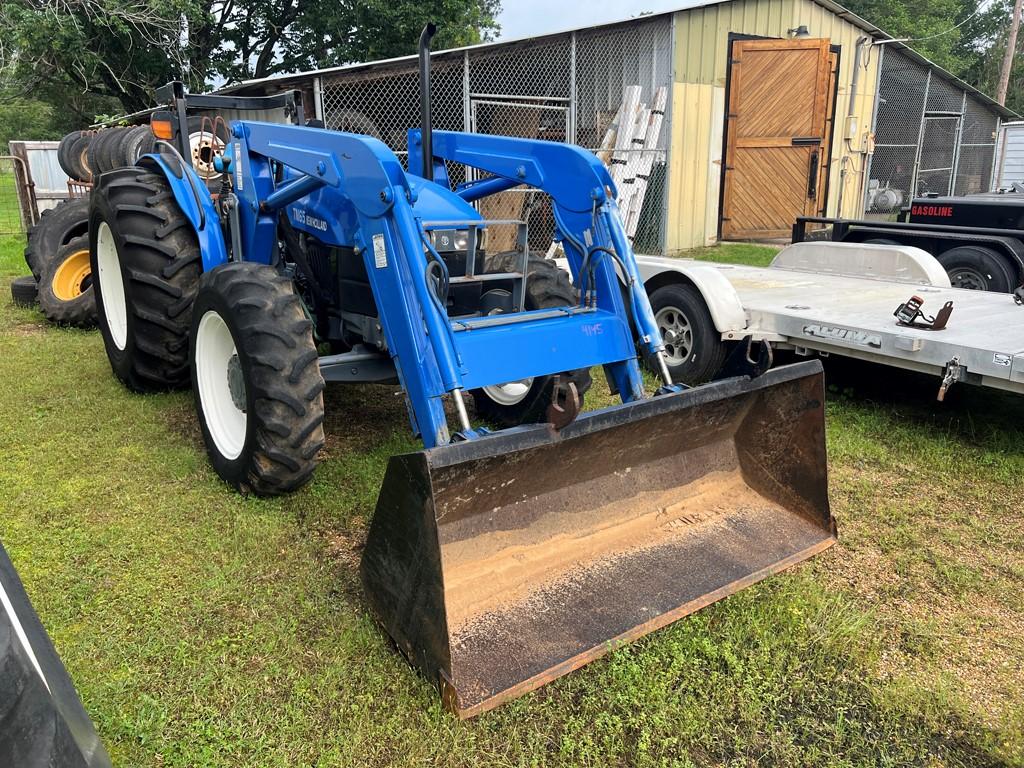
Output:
(837, 299)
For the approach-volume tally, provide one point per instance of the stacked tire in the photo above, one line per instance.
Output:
(84, 155)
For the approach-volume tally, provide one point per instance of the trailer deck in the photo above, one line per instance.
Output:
(840, 298)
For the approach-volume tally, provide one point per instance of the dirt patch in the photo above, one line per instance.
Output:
(357, 417)
(28, 329)
(182, 422)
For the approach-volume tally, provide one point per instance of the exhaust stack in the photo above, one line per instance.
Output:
(426, 123)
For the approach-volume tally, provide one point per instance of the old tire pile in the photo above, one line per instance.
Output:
(119, 147)
(57, 253)
(73, 155)
(84, 155)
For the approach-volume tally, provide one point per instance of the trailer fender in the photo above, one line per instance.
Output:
(722, 301)
(195, 201)
(899, 263)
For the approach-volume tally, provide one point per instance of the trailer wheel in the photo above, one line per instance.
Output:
(256, 379)
(527, 401)
(65, 290)
(145, 263)
(694, 350)
(977, 268)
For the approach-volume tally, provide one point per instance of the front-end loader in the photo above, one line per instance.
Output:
(499, 557)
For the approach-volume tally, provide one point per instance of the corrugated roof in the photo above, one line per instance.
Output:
(880, 35)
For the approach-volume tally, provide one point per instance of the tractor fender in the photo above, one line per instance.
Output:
(195, 201)
(719, 296)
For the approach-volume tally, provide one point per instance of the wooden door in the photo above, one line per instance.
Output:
(778, 113)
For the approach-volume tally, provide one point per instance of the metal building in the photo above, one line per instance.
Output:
(723, 120)
(1009, 162)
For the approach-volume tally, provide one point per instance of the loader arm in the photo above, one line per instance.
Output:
(350, 190)
(583, 195)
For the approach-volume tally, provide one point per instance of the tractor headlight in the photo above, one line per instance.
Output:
(449, 240)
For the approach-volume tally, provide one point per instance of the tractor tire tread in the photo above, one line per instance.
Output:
(289, 409)
(79, 311)
(162, 277)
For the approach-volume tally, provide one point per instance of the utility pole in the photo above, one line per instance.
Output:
(1011, 47)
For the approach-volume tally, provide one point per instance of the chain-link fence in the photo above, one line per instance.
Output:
(930, 137)
(605, 89)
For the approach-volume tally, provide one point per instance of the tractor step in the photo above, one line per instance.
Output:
(486, 277)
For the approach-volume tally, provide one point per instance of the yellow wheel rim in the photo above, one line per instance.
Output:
(69, 281)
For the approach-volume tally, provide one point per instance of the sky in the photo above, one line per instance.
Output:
(524, 18)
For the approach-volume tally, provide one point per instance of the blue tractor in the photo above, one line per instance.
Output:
(512, 549)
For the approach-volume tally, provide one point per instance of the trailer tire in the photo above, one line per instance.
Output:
(56, 226)
(694, 349)
(146, 265)
(65, 290)
(24, 291)
(978, 268)
(256, 379)
(527, 401)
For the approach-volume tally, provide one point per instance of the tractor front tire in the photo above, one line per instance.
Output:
(256, 379)
(146, 265)
(65, 288)
(527, 401)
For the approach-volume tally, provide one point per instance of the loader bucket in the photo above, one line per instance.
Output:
(499, 564)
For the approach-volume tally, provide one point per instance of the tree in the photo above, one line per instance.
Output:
(124, 49)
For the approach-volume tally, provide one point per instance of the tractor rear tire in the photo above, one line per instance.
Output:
(256, 379)
(527, 401)
(146, 266)
(24, 291)
(694, 350)
(57, 226)
(978, 268)
(65, 290)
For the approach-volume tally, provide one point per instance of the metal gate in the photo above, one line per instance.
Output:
(936, 154)
(17, 204)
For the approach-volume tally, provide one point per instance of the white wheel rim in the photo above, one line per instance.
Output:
(203, 162)
(115, 307)
(677, 333)
(509, 393)
(225, 421)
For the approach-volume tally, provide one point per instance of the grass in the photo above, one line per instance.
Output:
(205, 629)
